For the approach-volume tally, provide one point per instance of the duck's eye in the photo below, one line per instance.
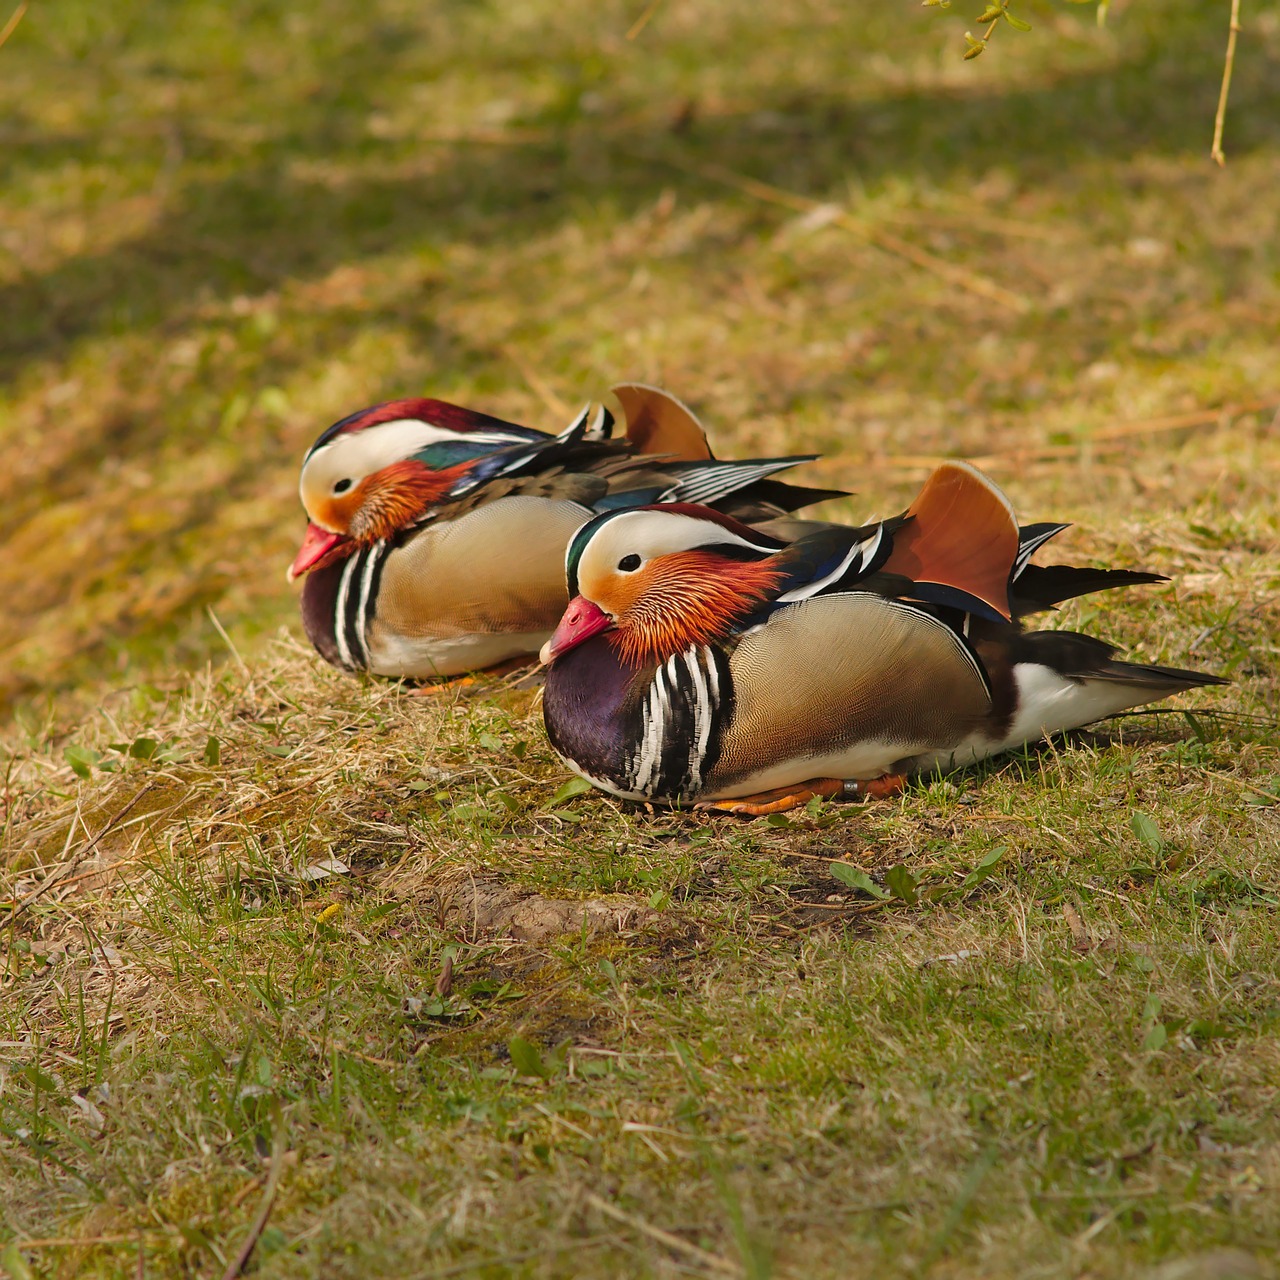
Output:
(629, 564)
(342, 486)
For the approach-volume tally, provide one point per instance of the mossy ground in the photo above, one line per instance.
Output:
(517, 1032)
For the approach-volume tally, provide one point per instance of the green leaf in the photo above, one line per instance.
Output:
(15, 1264)
(233, 413)
(1202, 1029)
(81, 760)
(902, 884)
(1144, 827)
(39, 1079)
(272, 1240)
(143, 748)
(986, 865)
(274, 402)
(857, 879)
(1156, 1038)
(567, 790)
(472, 813)
(212, 752)
(526, 1059)
(490, 743)
(1016, 23)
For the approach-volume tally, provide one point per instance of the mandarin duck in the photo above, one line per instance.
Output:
(437, 534)
(704, 661)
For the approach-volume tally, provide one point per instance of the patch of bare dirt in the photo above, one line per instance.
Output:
(489, 908)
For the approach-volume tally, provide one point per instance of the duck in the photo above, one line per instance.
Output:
(704, 662)
(436, 533)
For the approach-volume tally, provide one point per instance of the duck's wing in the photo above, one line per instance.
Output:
(846, 686)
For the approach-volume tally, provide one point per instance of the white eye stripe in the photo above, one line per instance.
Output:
(361, 453)
(648, 535)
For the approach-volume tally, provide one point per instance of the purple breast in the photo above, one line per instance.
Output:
(587, 712)
(319, 599)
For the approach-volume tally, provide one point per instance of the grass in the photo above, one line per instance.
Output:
(1022, 1021)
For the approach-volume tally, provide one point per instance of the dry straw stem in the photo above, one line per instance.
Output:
(280, 1160)
(1220, 119)
(12, 25)
(1115, 436)
(643, 20)
(962, 277)
(537, 383)
(712, 1261)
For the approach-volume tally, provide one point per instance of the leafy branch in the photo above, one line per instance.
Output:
(997, 11)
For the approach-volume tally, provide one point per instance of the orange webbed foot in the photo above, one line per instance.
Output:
(515, 671)
(779, 800)
(456, 685)
(783, 799)
(881, 788)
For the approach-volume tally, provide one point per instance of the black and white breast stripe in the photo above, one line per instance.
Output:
(676, 741)
(354, 606)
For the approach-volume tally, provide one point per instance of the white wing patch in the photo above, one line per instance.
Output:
(860, 557)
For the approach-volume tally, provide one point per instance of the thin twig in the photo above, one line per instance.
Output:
(881, 239)
(643, 20)
(536, 382)
(51, 880)
(235, 653)
(71, 1242)
(1108, 439)
(12, 25)
(712, 1260)
(279, 1160)
(1173, 422)
(1220, 120)
(506, 1259)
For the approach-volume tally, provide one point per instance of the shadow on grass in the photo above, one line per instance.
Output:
(289, 185)
(250, 229)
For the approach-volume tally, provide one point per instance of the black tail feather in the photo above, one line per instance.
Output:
(1081, 657)
(791, 497)
(1040, 587)
(1171, 678)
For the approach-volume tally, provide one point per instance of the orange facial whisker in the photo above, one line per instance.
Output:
(689, 598)
(397, 495)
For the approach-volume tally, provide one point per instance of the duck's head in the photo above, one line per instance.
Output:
(384, 468)
(662, 578)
